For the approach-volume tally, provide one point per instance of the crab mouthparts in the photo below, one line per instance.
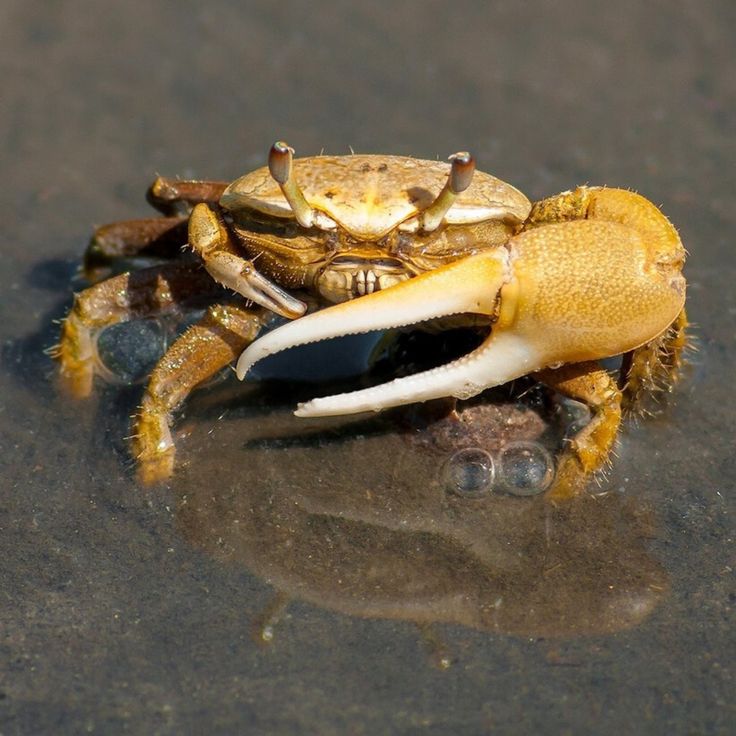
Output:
(468, 286)
(350, 277)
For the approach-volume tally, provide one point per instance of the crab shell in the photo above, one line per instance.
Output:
(371, 195)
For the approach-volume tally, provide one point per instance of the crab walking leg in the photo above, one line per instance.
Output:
(589, 449)
(174, 196)
(198, 354)
(672, 347)
(653, 367)
(119, 299)
(158, 236)
(209, 237)
(471, 285)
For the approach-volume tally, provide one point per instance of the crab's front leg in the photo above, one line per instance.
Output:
(653, 367)
(204, 349)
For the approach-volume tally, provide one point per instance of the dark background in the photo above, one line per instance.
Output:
(110, 621)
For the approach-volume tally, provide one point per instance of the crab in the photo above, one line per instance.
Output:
(380, 241)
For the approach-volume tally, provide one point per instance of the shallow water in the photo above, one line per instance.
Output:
(319, 577)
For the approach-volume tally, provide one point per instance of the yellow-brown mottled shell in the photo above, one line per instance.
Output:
(370, 195)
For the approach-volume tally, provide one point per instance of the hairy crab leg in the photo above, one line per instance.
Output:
(195, 356)
(119, 299)
(589, 449)
(176, 197)
(653, 367)
(162, 237)
(210, 238)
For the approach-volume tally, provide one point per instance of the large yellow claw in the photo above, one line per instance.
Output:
(561, 292)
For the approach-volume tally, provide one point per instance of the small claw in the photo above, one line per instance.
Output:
(244, 278)
(209, 237)
(269, 295)
(468, 286)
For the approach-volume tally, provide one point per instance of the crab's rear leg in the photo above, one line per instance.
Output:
(653, 367)
(120, 299)
(205, 348)
(152, 236)
(175, 196)
(159, 237)
(590, 448)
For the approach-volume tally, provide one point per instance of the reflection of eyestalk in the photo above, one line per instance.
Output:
(280, 165)
(461, 175)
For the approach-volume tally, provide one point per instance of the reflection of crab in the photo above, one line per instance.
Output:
(379, 538)
(572, 279)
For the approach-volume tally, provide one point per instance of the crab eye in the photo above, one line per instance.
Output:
(462, 168)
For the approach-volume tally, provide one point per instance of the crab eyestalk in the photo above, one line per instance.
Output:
(280, 159)
(461, 173)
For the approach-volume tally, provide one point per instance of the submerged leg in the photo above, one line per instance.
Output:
(590, 448)
(122, 298)
(653, 367)
(198, 354)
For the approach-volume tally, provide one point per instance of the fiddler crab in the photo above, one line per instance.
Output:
(385, 242)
